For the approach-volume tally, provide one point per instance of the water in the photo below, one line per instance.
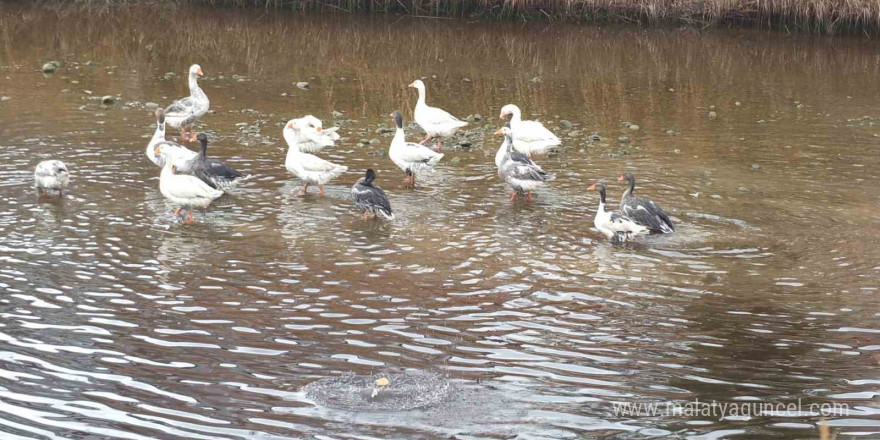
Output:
(121, 322)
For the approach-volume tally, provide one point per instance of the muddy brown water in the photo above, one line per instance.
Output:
(118, 321)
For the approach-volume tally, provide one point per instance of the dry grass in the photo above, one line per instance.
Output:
(819, 16)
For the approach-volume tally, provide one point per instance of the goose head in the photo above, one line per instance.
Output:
(509, 110)
(311, 123)
(369, 176)
(418, 85)
(398, 118)
(195, 70)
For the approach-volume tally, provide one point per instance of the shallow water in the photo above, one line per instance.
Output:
(121, 322)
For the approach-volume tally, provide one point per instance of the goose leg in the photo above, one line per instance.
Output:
(530, 196)
(304, 190)
(192, 133)
(513, 196)
(177, 211)
(364, 217)
(189, 216)
(183, 136)
(439, 144)
(428, 138)
(321, 189)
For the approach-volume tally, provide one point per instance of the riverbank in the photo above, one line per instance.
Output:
(827, 17)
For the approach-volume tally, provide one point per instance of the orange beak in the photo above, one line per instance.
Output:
(319, 129)
(501, 115)
(592, 188)
(497, 132)
(392, 114)
(199, 71)
(157, 151)
(290, 125)
(412, 84)
(620, 179)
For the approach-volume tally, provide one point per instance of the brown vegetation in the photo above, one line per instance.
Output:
(819, 16)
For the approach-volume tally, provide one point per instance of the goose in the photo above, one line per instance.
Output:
(613, 225)
(643, 211)
(185, 190)
(530, 137)
(370, 197)
(436, 122)
(184, 112)
(308, 167)
(521, 173)
(51, 175)
(410, 157)
(171, 149)
(315, 140)
(216, 174)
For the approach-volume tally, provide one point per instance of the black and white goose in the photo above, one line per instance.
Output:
(216, 174)
(522, 174)
(613, 225)
(643, 211)
(410, 157)
(370, 197)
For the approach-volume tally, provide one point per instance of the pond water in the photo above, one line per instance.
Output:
(119, 321)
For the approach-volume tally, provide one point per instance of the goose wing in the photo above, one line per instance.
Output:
(372, 196)
(415, 153)
(646, 212)
(437, 116)
(187, 186)
(182, 106)
(534, 131)
(310, 162)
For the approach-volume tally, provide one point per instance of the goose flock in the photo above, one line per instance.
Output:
(191, 179)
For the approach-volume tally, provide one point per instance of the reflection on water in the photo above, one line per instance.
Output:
(119, 322)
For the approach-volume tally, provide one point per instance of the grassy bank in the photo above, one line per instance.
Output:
(817, 16)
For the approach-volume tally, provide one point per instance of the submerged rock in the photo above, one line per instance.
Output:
(51, 67)
(336, 114)
(713, 115)
(302, 85)
(151, 105)
(107, 100)
(4, 98)
(565, 124)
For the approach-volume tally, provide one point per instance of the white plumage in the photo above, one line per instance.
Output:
(436, 122)
(410, 157)
(184, 190)
(307, 167)
(174, 151)
(529, 137)
(51, 175)
(312, 141)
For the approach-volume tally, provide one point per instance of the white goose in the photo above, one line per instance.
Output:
(613, 225)
(315, 140)
(529, 137)
(51, 175)
(308, 167)
(176, 151)
(436, 122)
(185, 190)
(410, 157)
(184, 112)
